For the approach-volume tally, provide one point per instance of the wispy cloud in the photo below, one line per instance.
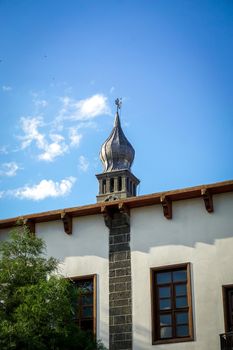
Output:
(75, 137)
(45, 189)
(83, 163)
(39, 102)
(9, 169)
(6, 88)
(83, 110)
(54, 149)
(30, 126)
(50, 150)
(60, 138)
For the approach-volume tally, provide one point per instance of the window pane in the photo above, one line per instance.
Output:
(182, 331)
(163, 277)
(179, 275)
(181, 317)
(165, 304)
(85, 286)
(181, 289)
(181, 302)
(165, 319)
(87, 311)
(171, 303)
(164, 292)
(166, 332)
(87, 299)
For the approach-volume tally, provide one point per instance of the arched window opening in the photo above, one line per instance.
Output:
(104, 186)
(131, 189)
(134, 189)
(111, 185)
(127, 184)
(119, 183)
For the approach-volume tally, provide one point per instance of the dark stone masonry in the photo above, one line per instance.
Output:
(120, 292)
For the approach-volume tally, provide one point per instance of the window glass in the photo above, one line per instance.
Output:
(87, 299)
(181, 317)
(181, 289)
(85, 304)
(87, 311)
(165, 319)
(171, 304)
(164, 292)
(179, 276)
(182, 331)
(166, 332)
(165, 304)
(181, 302)
(164, 277)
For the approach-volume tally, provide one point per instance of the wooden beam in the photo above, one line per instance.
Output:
(107, 216)
(208, 200)
(167, 206)
(30, 225)
(67, 223)
(133, 202)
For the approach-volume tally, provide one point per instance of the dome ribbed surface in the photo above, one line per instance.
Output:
(117, 153)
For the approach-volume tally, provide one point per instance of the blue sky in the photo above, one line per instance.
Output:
(63, 63)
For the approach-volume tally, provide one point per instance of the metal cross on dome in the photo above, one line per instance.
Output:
(118, 103)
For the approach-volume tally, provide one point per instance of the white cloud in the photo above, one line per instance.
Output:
(92, 107)
(51, 150)
(30, 127)
(38, 102)
(6, 88)
(75, 137)
(52, 145)
(9, 169)
(83, 163)
(85, 109)
(45, 189)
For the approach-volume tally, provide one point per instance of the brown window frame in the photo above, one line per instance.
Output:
(225, 289)
(173, 310)
(94, 278)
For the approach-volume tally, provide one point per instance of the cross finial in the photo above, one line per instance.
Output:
(118, 103)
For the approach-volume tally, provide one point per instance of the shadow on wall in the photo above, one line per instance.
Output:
(190, 224)
(89, 238)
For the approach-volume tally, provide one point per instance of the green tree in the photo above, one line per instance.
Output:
(36, 304)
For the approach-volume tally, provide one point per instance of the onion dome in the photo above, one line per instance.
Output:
(117, 153)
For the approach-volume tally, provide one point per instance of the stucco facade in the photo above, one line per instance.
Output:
(193, 235)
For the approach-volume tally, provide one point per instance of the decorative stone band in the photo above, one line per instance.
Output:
(120, 292)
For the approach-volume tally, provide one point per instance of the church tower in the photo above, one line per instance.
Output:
(117, 155)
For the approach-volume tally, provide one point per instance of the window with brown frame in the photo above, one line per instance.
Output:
(85, 315)
(171, 304)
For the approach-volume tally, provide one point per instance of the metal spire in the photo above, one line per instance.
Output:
(117, 153)
(118, 103)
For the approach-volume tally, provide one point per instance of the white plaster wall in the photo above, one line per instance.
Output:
(85, 252)
(193, 235)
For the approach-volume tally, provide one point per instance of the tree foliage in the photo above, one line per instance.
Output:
(36, 304)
